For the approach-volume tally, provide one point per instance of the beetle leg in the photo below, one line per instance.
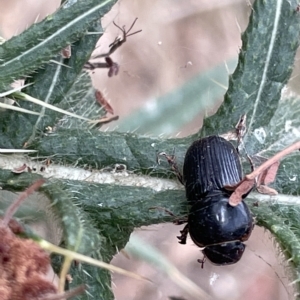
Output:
(180, 221)
(184, 232)
(202, 261)
(237, 133)
(240, 129)
(172, 164)
(177, 221)
(163, 209)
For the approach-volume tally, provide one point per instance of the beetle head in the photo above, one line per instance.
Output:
(225, 254)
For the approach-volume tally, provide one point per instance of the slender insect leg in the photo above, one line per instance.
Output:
(173, 165)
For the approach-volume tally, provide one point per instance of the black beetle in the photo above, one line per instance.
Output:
(212, 165)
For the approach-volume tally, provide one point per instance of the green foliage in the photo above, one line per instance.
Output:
(37, 45)
(265, 64)
(98, 218)
(283, 222)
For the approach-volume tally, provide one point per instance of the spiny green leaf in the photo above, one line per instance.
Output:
(283, 222)
(101, 149)
(79, 233)
(283, 130)
(114, 210)
(265, 64)
(8, 180)
(97, 281)
(25, 53)
(63, 85)
(81, 100)
(55, 80)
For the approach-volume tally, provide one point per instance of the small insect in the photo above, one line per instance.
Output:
(219, 220)
(211, 164)
(117, 43)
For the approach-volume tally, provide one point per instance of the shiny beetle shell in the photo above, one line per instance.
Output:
(210, 164)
